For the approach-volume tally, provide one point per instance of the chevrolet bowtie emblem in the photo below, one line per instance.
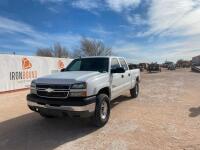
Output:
(49, 90)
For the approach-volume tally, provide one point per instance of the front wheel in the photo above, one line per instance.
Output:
(135, 91)
(102, 111)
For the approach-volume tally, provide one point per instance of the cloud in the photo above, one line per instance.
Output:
(55, 6)
(130, 50)
(86, 4)
(173, 18)
(158, 51)
(170, 30)
(96, 5)
(89, 5)
(101, 32)
(51, 1)
(8, 25)
(136, 19)
(54, 9)
(25, 36)
(119, 5)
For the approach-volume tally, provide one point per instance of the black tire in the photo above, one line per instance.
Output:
(135, 91)
(98, 119)
(45, 114)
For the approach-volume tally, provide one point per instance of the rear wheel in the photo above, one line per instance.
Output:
(102, 111)
(135, 91)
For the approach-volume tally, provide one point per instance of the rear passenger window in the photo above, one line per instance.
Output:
(123, 63)
(114, 63)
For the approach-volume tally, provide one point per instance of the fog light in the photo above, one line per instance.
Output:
(78, 94)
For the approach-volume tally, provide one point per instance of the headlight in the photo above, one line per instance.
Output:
(33, 88)
(79, 86)
(78, 90)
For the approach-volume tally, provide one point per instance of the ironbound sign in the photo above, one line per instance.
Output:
(17, 72)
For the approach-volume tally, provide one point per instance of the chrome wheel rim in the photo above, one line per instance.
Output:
(136, 89)
(104, 110)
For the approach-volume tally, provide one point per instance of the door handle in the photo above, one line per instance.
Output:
(122, 76)
(129, 74)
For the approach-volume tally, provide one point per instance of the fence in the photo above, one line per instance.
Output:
(17, 72)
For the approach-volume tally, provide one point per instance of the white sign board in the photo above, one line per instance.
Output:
(17, 72)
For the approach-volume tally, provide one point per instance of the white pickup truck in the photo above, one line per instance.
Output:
(84, 88)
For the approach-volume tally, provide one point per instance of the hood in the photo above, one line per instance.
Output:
(68, 77)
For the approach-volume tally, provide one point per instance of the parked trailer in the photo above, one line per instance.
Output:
(196, 61)
(196, 64)
(196, 68)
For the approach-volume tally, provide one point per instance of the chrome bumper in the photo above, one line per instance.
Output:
(89, 107)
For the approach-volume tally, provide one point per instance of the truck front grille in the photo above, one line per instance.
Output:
(53, 94)
(45, 86)
(53, 91)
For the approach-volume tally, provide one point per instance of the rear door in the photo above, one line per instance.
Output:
(116, 79)
(126, 77)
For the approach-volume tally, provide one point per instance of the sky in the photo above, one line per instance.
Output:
(139, 30)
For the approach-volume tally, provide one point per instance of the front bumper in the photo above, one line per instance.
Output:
(89, 107)
(78, 107)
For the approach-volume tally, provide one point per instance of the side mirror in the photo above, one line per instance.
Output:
(62, 70)
(118, 70)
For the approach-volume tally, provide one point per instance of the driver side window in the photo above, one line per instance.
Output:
(114, 63)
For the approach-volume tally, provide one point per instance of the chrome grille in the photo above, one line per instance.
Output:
(52, 91)
(45, 86)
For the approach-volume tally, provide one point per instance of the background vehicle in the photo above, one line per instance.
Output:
(133, 66)
(196, 64)
(172, 67)
(143, 66)
(154, 67)
(84, 89)
(166, 64)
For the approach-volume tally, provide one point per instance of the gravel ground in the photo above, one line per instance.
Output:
(166, 115)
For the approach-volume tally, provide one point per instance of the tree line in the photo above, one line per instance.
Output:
(88, 47)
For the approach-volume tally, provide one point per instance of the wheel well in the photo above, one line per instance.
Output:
(105, 90)
(137, 79)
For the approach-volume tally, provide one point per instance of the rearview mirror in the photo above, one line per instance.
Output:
(118, 70)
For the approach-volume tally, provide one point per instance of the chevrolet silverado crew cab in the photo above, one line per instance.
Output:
(84, 88)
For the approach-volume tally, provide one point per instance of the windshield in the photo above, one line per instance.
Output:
(89, 64)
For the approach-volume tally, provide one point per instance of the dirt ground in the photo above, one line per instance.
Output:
(166, 115)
